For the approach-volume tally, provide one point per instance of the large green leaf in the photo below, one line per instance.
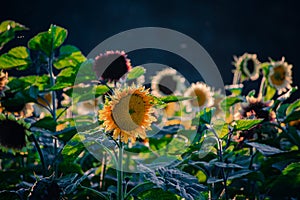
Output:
(70, 56)
(245, 124)
(48, 41)
(17, 57)
(7, 31)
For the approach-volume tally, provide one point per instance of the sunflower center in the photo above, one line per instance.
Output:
(250, 66)
(129, 113)
(201, 98)
(167, 85)
(278, 76)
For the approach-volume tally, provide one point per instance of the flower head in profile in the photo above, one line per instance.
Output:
(128, 113)
(167, 82)
(248, 65)
(111, 66)
(280, 75)
(3, 82)
(257, 108)
(202, 94)
(13, 132)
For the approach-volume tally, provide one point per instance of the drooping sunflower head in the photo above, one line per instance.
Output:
(3, 82)
(248, 65)
(128, 113)
(167, 82)
(112, 65)
(13, 132)
(280, 75)
(257, 108)
(202, 95)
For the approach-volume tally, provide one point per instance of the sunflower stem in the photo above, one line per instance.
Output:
(52, 83)
(38, 148)
(120, 172)
(262, 87)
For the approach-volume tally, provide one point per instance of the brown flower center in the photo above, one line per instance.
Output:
(279, 75)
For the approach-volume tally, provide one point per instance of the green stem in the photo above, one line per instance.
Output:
(120, 172)
(52, 83)
(220, 153)
(262, 88)
(37, 146)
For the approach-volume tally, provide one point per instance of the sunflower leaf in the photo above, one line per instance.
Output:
(270, 93)
(17, 57)
(266, 150)
(245, 124)
(293, 106)
(136, 72)
(49, 40)
(7, 31)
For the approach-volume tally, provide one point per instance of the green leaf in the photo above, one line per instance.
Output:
(245, 124)
(47, 123)
(228, 165)
(73, 148)
(251, 93)
(139, 189)
(169, 99)
(294, 106)
(136, 72)
(155, 193)
(70, 56)
(7, 31)
(48, 41)
(293, 116)
(17, 57)
(269, 93)
(66, 134)
(230, 101)
(266, 150)
(238, 174)
(221, 128)
(206, 115)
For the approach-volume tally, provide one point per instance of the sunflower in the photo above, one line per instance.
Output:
(128, 113)
(257, 108)
(112, 65)
(248, 65)
(167, 82)
(13, 132)
(203, 96)
(3, 82)
(280, 75)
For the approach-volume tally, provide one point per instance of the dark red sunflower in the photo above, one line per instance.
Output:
(13, 133)
(111, 66)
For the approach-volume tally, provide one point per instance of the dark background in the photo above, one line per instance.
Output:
(223, 28)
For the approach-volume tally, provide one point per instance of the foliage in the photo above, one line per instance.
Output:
(249, 151)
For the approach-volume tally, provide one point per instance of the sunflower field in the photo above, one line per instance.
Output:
(73, 127)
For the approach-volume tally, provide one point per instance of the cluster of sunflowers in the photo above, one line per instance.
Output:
(69, 128)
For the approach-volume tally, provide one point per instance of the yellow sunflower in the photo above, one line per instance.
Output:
(248, 65)
(3, 82)
(167, 82)
(203, 96)
(280, 76)
(128, 113)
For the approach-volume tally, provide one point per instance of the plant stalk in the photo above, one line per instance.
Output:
(52, 83)
(120, 172)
